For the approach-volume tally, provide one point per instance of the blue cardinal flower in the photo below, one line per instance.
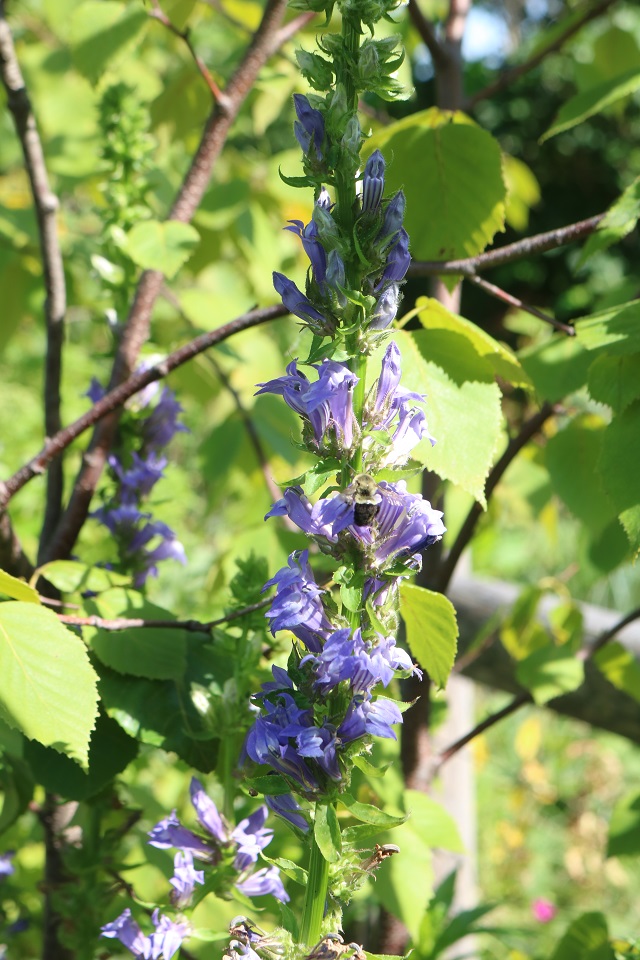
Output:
(309, 127)
(297, 605)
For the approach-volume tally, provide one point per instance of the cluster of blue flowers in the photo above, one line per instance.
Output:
(236, 851)
(143, 542)
(324, 709)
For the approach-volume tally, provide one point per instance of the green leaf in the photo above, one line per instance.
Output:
(41, 662)
(155, 653)
(326, 831)
(620, 667)
(110, 752)
(272, 785)
(557, 367)
(585, 104)
(620, 468)
(615, 380)
(370, 814)
(446, 157)
(289, 868)
(396, 887)
(162, 246)
(619, 220)
(432, 630)
(499, 359)
(549, 672)
(572, 457)
(17, 589)
(521, 634)
(16, 789)
(70, 576)
(465, 417)
(617, 329)
(587, 938)
(100, 29)
(432, 823)
(624, 828)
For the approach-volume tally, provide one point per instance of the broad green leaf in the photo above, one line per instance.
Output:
(110, 752)
(326, 831)
(155, 653)
(523, 191)
(619, 220)
(444, 156)
(432, 630)
(615, 380)
(289, 868)
(70, 576)
(617, 329)
(99, 30)
(572, 457)
(620, 468)
(17, 589)
(465, 418)
(585, 104)
(431, 822)
(549, 672)
(587, 938)
(41, 662)
(370, 814)
(396, 887)
(557, 367)
(620, 667)
(624, 828)
(498, 358)
(162, 246)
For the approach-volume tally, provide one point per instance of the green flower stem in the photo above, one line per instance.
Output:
(315, 897)
(345, 182)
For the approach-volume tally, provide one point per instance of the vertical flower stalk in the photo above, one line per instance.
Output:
(322, 712)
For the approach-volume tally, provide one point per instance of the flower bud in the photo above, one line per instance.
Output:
(315, 69)
(386, 308)
(368, 62)
(393, 217)
(309, 127)
(335, 276)
(373, 182)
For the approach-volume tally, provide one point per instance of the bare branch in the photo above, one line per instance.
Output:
(427, 34)
(13, 559)
(191, 626)
(117, 396)
(539, 243)
(264, 43)
(507, 77)
(55, 305)
(501, 294)
(515, 445)
(525, 697)
(158, 14)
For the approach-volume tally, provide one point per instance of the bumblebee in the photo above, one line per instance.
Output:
(362, 493)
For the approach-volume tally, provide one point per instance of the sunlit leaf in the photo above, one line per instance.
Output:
(432, 630)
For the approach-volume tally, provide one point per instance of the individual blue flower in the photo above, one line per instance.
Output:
(96, 391)
(297, 605)
(125, 929)
(320, 744)
(207, 812)
(406, 524)
(386, 308)
(170, 833)
(369, 717)
(309, 127)
(312, 247)
(269, 741)
(398, 261)
(184, 879)
(295, 301)
(373, 183)
(168, 936)
(238, 950)
(346, 656)
(286, 806)
(162, 424)
(251, 837)
(164, 942)
(262, 882)
(327, 518)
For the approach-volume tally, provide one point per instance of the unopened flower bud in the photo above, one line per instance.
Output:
(324, 199)
(386, 308)
(393, 217)
(352, 136)
(368, 62)
(373, 182)
(336, 276)
(309, 127)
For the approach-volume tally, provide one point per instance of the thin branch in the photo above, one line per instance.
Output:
(507, 77)
(263, 45)
(191, 626)
(427, 34)
(116, 397)
(13, 559)
(539, 243)
(501, 294)
(525, 697)
(515, 445)
(158, 14)
(55, 305)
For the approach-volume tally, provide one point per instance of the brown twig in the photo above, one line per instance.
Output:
(264, 43)
(525, 697)
(191, 626)
(116, 397)
(527, 247)
(528, 430)
(501, 294)
(55, 305)
(427, 34)
(158, 14)
(507, 77)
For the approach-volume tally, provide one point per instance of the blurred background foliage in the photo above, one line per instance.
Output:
(119, 102)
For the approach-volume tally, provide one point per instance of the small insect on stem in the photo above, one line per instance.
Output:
(365, 496)
(380, 853)
(333, 947)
